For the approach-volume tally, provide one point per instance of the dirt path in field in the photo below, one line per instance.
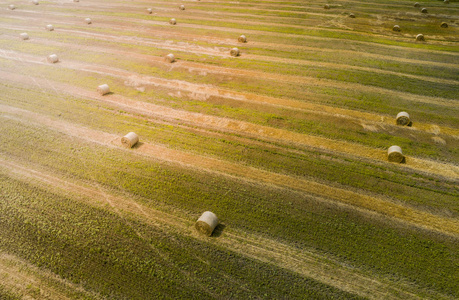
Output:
(357, 201)
(30, 282)
(305, 262)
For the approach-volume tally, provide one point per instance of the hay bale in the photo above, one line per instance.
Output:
(149, 10)
(182, 7)
(76, 0)
(130, 139)
(24, 36)
(417, 4)
(327, 6)
(444, 25)
(403, 118)
(103, 89)
(446, 1)
(88, 20)
(49, 27)
(172, 21)
(394, 154)
(420, 37)
(396, 28)
(169, 58)
(242, 39)
(424, 10)
(234, 52)
(53, 58)
(351, 15)
(206, 223)
(35, 2)
(11, 7)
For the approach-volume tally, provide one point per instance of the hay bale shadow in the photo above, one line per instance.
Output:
(218, 230)
(137, 145)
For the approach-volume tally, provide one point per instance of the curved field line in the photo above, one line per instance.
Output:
(301, 261)
(388, 209)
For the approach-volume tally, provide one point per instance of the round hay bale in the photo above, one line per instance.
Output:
(234, 52)
(242, 39)
(424, 10)
(170, 58)
(24, 36)
(130, 139)
(206, 223)
(394, 154)
(76, 0)
(11, 7)
(420, 37)
(351, 15)
(35, 2)
(103, 89)
(403, 118)
(327, 6)
(182, 7)
(49, 27)
(417, 4)
(396, 28)
(444, 25)
(53, 58)
(88, 20)
(446, 1)
(172, 21)
(149, 10)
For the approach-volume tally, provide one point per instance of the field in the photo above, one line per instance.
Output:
(286, 143)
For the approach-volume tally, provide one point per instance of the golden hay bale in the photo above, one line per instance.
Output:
(234, 52)
(394, 154)
(417, 4)
(11, 7)
(169, 58)
(130, 139)
(35, 2)
(424, 10)
(403, 118)
(420, 37)
(327, 6)
(444, 25)
(172, 21)
(24, 36)
(396, 28)
(206, 223)
(49, 27)
(242, 39)
(88, 20)
(182, 7)
(149, 10)
(351, 15)
(53, 58)
(103, 89)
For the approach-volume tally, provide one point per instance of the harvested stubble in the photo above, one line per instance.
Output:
(444, 25)
(11, 7)
(420, 37)
(88, 20)
(242, 39)
(417, 4)
(53, 58)
(149, 10)
(182, 7)
(394, 154)
(35, 2)
(207, 223)
(234, 52)
(403, 118)
(172, 21)
(424, 10)
(130, 139)
(103, 89)
(169, 58)
(396, 28)
(351, 15)
(24, 36)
